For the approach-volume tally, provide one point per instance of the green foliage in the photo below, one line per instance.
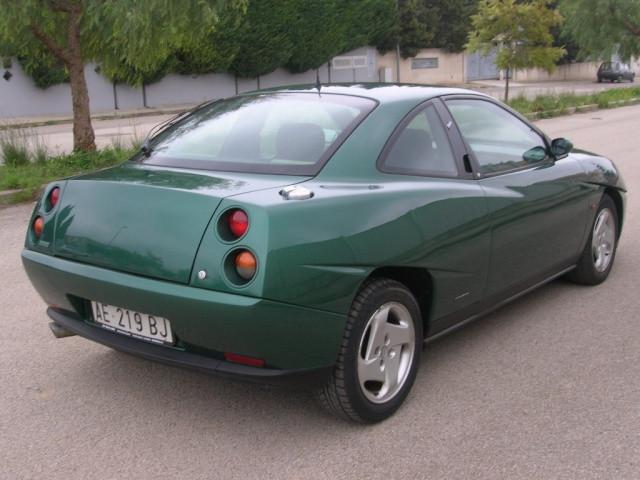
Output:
(520, 30)
(604, 28)
(134, 42)
(44, 71)
(452, 25)
(263, 38)
(415, 25)
(421, 24)
(316, 33)
(554, 105)
(31, 176)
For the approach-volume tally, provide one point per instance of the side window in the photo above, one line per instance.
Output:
(498, 139)
(422, 148)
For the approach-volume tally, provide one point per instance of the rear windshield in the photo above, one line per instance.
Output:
(280, 133)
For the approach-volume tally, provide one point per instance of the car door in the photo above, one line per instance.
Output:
(448, 211)
(538, 205)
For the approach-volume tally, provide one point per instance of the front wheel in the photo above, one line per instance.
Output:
(596, 260)
(379, 355)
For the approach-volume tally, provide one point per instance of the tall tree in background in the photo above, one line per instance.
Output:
(452, 25)
(122, 36)
(521, 31)
(604, 28)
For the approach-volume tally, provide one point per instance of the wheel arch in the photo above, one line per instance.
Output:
(419, 282)
(619, 203)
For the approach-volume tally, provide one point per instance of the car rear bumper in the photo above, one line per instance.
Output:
(169, 356)
(289, 338)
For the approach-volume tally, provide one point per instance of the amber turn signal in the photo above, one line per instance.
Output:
(38, 226)
(246, 264)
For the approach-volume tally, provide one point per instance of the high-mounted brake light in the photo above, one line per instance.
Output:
(38, 226)
(246, 264)
(54, 196)
(238, 222)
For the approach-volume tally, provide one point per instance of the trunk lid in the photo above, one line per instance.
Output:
(146, 220)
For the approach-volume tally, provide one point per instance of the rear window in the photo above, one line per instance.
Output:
(280, 133)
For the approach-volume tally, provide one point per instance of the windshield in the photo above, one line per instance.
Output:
(281, 133)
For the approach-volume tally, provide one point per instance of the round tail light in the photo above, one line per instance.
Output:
(54, 196)
(238, 222)
(246, 264)
(38, 226)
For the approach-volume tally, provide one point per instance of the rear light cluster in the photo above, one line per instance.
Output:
(53, 198)
(38, 226)
(50, 203)
(241, 264)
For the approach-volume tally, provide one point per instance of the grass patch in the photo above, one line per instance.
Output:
(41, 169)
(555, 105)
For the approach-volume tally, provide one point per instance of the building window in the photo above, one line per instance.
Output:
(417, 63)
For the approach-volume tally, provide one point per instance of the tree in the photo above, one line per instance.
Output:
(128, 39)
(604, 28)
(415, 25)
(521, 31)
(452, 25)
(263, 38)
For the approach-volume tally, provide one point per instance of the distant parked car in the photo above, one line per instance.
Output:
(615, 72)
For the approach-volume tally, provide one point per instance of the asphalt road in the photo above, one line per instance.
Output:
(546, 388)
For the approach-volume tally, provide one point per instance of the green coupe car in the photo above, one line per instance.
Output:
(321, 235)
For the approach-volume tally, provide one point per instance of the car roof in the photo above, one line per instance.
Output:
(381, 92)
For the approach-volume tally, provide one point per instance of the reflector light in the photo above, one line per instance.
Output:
(243, 359)
(238, 223)
(38, 226)
(246, 264)
(54, 196)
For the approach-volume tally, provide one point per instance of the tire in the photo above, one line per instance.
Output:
(595, 264)
(599, 79)
(383, 312)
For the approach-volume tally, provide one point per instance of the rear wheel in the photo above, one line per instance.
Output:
(379, 356)
(597, 257)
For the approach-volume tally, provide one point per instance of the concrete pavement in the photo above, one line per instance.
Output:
(546, 388)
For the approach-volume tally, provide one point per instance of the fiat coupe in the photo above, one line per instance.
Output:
(321, 235)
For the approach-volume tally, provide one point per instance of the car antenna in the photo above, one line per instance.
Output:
(318, 84)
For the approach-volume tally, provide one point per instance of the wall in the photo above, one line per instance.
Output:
(451, 67)
(572, 71)
(19, 97)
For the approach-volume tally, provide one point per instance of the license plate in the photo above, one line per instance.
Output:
(133, 324)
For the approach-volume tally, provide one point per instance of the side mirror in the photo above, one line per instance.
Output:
(560, 147)
(535, 155)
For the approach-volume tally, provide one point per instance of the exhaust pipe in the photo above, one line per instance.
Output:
(60, 332)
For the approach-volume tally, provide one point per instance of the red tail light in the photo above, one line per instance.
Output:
(243, 359)
(38, 226)
(54, 196)
(246, 264)
(238, 222)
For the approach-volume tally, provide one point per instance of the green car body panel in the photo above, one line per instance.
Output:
(137, 236)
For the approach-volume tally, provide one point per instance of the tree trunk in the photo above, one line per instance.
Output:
(83, 136)
(506, 86)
